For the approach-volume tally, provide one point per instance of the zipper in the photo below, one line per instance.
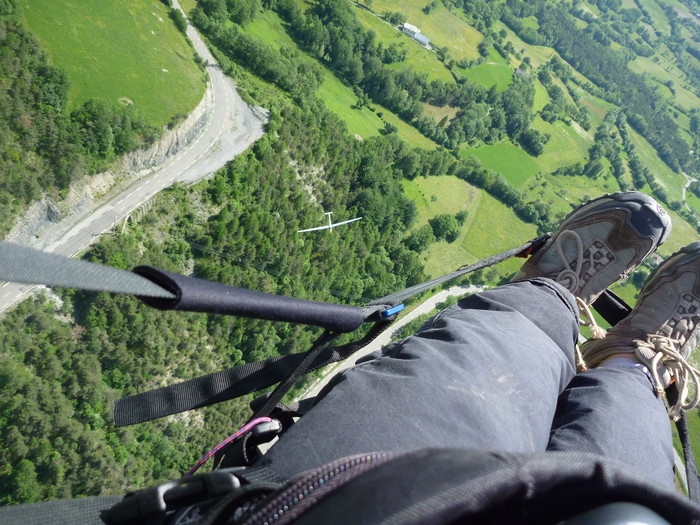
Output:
(303, 493)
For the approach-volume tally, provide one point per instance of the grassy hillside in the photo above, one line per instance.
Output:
(122, 51)
(568, 143)
(494, 72)
(364, 121)
(479, 237)
(418, 57)
(507, 159)
(443, 28)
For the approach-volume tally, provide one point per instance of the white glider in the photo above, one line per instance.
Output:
(329, 226)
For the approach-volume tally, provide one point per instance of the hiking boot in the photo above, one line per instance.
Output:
(662, 329)
(600, 242)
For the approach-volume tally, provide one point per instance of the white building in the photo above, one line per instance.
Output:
(415, 33)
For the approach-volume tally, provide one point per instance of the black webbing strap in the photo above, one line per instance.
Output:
(228, 384)
(250, 377)
(611, 307)
(691, 469)
(521, 251)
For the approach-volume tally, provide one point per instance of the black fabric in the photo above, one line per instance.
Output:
(611, 307)
(228, 384)
(85, 511)
(440, 486)
(198, 295)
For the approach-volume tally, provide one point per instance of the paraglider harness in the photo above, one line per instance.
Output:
(231, 488)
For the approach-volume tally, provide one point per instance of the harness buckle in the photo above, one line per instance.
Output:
(150, 506)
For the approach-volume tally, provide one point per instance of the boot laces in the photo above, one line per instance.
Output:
(684, 374)
(568, 277)
(571, 279)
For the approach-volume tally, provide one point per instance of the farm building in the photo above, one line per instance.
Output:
(415, 34)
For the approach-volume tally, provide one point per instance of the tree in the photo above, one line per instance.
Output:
(420, 239)
(395, 18)
(533, 141)
(179, 20)
(243, 11)
(445, 226)
(27, 488)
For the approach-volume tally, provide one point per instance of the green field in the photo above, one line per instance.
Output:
(538, 54)
(339, 99)
(142, 60)
(406, 131)
(267, 27)
(511, 161)
(365, 123)
(495, 71)
(597, 107)
(662, 71)
(438, 113)
(673, 182)
(567, 93)
(692, 201)
(567, 144)
(419, 58)
(682, 234)
(436, 195)
(443, 28)
(481, 236)
(541, 97)
(661, 22)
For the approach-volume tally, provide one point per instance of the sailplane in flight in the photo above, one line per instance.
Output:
(329, 226)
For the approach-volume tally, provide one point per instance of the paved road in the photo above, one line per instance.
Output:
(688, 181)
(232, 128)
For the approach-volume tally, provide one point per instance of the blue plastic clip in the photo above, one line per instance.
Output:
(392, 311)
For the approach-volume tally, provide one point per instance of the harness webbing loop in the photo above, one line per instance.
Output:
(229, 384)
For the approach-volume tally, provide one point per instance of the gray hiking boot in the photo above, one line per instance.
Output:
(600, 242)
(662, 329)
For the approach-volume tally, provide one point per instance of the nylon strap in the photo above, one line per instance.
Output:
(523, 250)
(250, 377)
(27, 265)
(82, 511)
(227, 384)
(691, 469)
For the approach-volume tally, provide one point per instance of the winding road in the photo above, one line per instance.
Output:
(232, 127)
